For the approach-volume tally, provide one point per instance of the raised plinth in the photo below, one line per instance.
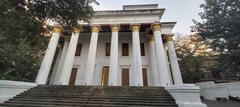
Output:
(9, 89)
(186, 95)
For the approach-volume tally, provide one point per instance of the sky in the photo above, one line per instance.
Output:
(181, 11)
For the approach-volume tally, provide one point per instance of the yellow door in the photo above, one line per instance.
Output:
(105, 72)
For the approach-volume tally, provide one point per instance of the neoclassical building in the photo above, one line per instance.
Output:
(128, 47)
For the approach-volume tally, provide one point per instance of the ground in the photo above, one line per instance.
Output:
(221, 103)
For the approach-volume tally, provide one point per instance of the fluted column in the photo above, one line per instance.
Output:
(153, 61)
(160, 56)
(68, 62)
(177, 77)
(113, 69)
(137, 61)
(91, 58)
(61, 61)
(55, 66)
(168, 65)
(48, 57)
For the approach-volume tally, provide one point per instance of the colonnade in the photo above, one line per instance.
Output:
(158, 60)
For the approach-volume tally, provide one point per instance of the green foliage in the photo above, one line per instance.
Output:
(22, 40)
(221, 28)
(191, 51)
(66, 12)
(191, 68)
(18, 62)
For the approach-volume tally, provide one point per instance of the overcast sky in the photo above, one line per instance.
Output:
(182, 11)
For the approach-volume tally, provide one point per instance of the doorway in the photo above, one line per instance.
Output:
(73, 76)
(145, 79)
(105, 73)
(125, 77)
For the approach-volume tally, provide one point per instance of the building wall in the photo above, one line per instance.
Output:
(126, 19)
(102, 60)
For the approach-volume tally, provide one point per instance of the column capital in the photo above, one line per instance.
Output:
(135, 27)
(156, 27)
(57, 29)
(95, 28)
(115, 28)
(76, 29)
(169, 37)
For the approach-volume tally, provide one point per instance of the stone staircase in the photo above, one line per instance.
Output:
(92, 96)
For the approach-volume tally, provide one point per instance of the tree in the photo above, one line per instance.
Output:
(192, 52)
(22, 32)
(65, 12)
(221, 28)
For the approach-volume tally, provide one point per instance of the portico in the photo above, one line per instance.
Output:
(114, 53)
(136, 35)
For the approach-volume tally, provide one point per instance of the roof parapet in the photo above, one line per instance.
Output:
(140, 7)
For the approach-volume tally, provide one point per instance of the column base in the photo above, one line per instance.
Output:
(186, 95)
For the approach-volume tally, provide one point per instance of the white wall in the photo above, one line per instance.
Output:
(102, 60)
(211, 91)
(9, 89)
(121, 19)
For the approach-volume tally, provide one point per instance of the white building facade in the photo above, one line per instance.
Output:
(128, 47)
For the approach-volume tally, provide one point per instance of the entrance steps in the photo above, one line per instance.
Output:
(92, 96)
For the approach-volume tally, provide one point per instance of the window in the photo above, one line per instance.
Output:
(125, 49)
(145, 80)
(78, 50)
(142, 49)
(107, 49)
(125, 77)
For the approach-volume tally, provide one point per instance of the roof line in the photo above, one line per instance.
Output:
(130, 10)
(141, 5)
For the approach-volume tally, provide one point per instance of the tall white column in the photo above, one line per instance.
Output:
(61, 61)
(55, 66)
(153, 61)
(168, 66)
(177, 77)
(161, 58)
(91, 58)
(48, 58)
(68, 62)
(137, 61)
(113, 69)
